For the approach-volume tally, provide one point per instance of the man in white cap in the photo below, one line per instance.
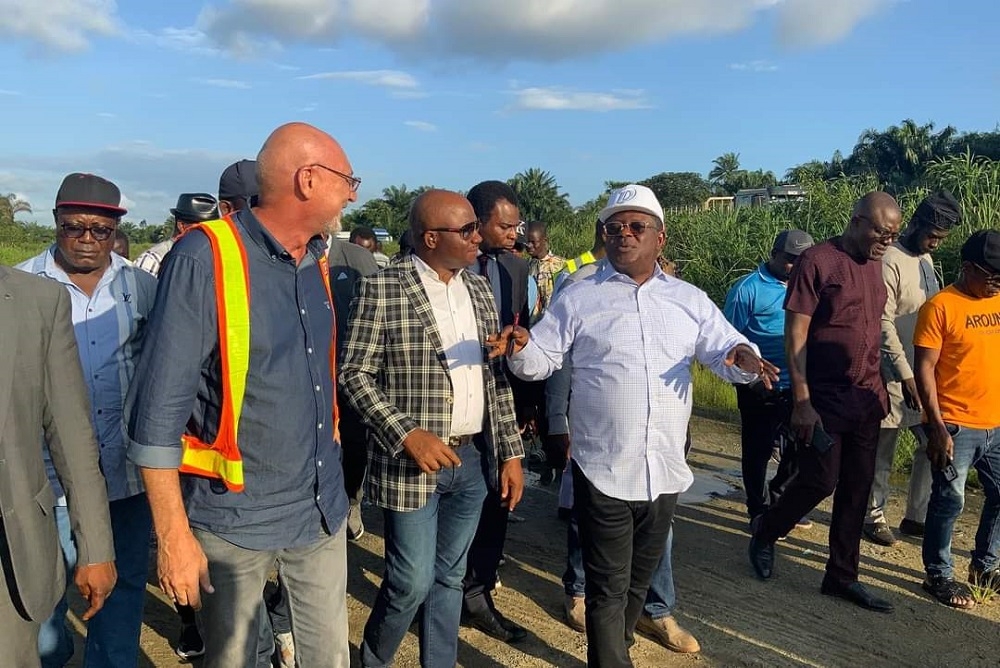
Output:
(631, 333)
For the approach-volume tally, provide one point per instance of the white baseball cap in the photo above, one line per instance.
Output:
(632, 197)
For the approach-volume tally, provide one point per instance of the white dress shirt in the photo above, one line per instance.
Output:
(631, 348)
(459, 332)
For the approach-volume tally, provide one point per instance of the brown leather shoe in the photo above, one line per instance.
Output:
(668, 633)
(575, 609)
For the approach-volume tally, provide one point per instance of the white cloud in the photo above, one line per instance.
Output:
(559, 99)
(10, 93)
(519, 29)
(423, 126)
(224, 83)
(106, 114)
(381, 78)
(754, 66)
(59, 25)
(806, 23)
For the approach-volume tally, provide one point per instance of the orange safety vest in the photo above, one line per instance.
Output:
(221, 459)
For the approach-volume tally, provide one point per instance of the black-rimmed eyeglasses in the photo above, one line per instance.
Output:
(97, 232)
(465, 231)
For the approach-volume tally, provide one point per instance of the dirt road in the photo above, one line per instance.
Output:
(739, 620)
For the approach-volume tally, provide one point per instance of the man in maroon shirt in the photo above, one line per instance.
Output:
(832, 341)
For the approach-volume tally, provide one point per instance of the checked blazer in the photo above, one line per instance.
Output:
(394, 373)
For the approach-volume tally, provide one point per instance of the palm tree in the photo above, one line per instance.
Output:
(724, 172)
(11, 205)
(538, 196)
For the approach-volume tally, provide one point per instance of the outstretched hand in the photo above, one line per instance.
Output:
(744, 357)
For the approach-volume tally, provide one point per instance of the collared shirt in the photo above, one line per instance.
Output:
(293, 479)
(487, 265)
(845, 298)
(631, 347)
(109, 327)
(456, 321)
(151, 259)
(755, 306)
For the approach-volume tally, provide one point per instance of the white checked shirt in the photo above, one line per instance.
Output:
(456, 322)
(631, 348)
(108, 325)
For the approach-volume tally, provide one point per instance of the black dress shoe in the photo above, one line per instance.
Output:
(911, 528)
(761, 557)
(496, 626)
(858, 594)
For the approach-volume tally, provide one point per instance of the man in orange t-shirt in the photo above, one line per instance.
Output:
(957, 355)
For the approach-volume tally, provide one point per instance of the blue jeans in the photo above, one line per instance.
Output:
(113, 633)
(425, 554)
(661, 599)
(979, 448)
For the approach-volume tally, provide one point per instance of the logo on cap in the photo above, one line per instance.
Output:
(624, 195)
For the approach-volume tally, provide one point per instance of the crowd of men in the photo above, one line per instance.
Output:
(243, 386)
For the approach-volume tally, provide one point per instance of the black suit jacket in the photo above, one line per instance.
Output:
(513, 288)
(348, 264)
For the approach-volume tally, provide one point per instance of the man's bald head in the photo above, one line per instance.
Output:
(875, 223)
(445, 231)
(875, 203)
(304, 176)
(291, 147)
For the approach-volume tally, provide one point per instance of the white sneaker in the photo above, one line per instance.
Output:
(355, 526)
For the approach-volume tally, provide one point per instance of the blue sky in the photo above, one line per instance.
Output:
(160, 96)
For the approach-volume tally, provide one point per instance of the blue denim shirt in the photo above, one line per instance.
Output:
(109, 328)
(294, 485)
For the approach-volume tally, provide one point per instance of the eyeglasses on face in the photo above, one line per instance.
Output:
(97, 232)
(353, 181)
(616, 229)
(465, 231)
(992, 278)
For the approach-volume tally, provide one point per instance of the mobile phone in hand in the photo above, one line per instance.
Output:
(950, 473)
(821, 440)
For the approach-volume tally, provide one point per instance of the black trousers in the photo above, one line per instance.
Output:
(846, 470)
(622, 543)
(354, 444)
(485, 553)
(762, 412)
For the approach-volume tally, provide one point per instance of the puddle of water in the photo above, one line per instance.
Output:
(707, 486)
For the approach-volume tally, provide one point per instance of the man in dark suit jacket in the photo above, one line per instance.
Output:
(495, 206)
(441, 419)
(42, 393)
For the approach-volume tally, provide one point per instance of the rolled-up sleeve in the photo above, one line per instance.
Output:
(180, 339)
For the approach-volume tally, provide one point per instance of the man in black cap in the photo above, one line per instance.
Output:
(110, 302)
(191, 209)
(956, 362)
(755, 307)
(238, 187)
(908, 272)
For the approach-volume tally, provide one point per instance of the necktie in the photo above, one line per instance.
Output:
(484, 261)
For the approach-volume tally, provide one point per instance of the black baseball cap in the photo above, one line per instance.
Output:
(239, 180)
(983, 248)
(90, 191)
(793, 242)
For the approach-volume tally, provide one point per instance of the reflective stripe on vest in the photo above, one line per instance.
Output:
(221, 459)
(579, 262)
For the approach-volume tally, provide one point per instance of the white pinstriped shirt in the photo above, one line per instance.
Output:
(631, 348)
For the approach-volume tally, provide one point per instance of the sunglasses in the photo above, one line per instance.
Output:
(353, 181)
(97, 233)
(465, 231)
(615, 229)
(992, 278)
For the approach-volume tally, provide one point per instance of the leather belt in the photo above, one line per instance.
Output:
(460, 441)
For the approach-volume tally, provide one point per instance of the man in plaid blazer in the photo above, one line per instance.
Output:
(442, 423)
